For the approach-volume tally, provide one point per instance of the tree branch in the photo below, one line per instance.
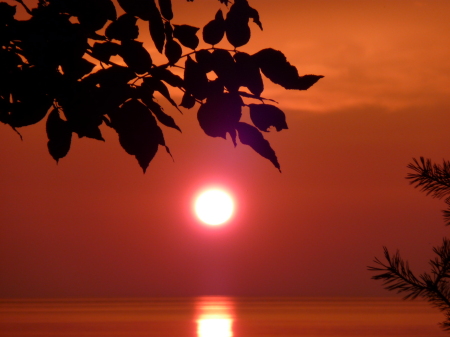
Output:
(431, 178)
(24, 6)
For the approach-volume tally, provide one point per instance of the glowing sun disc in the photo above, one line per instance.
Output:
(214, 207)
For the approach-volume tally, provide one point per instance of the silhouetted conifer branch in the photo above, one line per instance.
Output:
(396, 275)
(434, 286)
(446, 213)
(433, 179)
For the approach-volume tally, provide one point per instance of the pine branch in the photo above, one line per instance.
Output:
(433, 179)
(396, 275)
(445, 325)
(441, 264)
(434, 287)
(446, 213)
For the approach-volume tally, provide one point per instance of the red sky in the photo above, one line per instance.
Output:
(95, 226)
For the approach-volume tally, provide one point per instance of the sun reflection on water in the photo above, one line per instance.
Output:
(214, 317)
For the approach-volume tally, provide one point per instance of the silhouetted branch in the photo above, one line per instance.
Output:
(24, 6)
(397, 275)
(431, 178)
(434, 287)
(48, 54)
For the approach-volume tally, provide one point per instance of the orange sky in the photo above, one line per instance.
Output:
(94, 225)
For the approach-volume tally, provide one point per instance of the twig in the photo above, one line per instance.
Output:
(24, 6)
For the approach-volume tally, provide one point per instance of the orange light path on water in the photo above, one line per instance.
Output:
(214, 317)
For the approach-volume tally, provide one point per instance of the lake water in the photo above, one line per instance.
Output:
(219, 317)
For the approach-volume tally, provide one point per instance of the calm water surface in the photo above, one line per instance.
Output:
(219, 317)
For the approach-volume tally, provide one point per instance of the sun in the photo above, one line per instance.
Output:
(214, 207)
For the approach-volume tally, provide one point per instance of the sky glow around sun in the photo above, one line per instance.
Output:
(214, 206)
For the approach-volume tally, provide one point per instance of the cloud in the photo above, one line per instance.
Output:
(395, 56)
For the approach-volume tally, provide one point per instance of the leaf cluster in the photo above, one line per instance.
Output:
(59, 64)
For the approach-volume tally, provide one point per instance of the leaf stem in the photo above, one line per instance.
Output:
(26, 8)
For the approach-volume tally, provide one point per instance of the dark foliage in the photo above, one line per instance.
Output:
(434, 180)
(250, 135)
(214, 30)
(265, 115)
(434, 286)
(61, 60)
(275, 67)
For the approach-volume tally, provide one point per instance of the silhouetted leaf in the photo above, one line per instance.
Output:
(136, 56)
(233, 135)
(110, 77)
(186, 35)
(82, 107)
(225, 68)
(30, 101)
(168, 77)
(110, 10)
(77, 68)
(259, 98)
(143, 9)
(7, 13)
(166, 9)
(168, 30)
(195, 80)
(110, 97)
(248, 73)
(156, 27)
(59, 135)
(74, 43)
(243, 9)
(236, 24)
(188, 101)
(139, 134)
(237, 31)
(215, 88)
(220, 114)
(9, 64)
(90, 129)
(214, 30)
(49, 40)
(5, 35)
(274, 66)
(124, 28)
(93, 15)
(159, 86)
(4, 110)
(162, 117)
(29, 112)
(224, 2)
(253, 14)
(95, 36)
(204, 59)
(265, 115)
(249, 135)
(173, 51)
(103, 51)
